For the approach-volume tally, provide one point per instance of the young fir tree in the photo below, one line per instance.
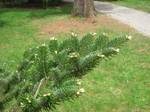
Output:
(50, 74)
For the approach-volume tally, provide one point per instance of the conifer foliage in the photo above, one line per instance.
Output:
(51, 73)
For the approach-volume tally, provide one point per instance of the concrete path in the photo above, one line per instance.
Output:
(137, 19)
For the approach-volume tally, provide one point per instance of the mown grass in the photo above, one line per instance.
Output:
(121, 84)
(18, 33)
(143, 5)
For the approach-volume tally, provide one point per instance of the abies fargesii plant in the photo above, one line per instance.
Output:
(51, 73)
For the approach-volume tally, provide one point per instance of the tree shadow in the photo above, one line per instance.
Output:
(52, 11)
(2, 23)
(36, 11)
(9, 15)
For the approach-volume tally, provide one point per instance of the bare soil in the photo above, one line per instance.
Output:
(81, 26)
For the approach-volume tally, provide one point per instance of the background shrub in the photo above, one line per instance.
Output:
(18, 2)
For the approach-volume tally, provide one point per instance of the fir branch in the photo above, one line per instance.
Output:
(117, 42)
(47, 75)
(89, 61)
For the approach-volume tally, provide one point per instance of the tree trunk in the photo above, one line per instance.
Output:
(84, 8)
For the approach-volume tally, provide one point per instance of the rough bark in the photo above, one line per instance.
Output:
(84, 8)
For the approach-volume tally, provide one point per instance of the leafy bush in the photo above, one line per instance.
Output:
(52, 2)
(52, 73)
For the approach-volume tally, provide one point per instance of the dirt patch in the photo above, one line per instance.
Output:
(83, 25)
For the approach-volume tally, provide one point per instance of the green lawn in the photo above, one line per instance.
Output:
(17, 29)
(137, 4)
(119, 85)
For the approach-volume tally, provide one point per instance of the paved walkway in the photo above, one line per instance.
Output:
(137, 19)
